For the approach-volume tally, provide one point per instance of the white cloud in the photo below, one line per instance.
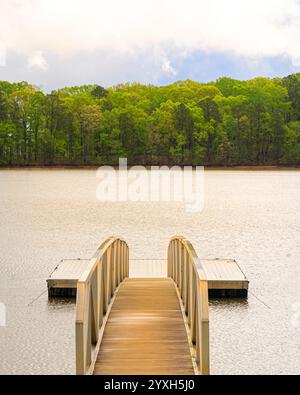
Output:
(37, 60)
(168, 68)
(250, 28)
(2, 56)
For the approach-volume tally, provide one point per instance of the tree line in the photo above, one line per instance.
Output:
(223, 123)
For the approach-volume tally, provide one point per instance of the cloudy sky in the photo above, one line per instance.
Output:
(54, 43)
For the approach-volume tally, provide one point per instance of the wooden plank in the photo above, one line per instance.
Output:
(223, 270)
(145, 332)
(63, 280)
(70, 270)
(224, 274)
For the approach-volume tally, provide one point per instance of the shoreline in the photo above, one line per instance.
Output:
(207, 168)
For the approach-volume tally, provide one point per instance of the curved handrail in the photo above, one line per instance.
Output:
(185, 268)
(95, 290)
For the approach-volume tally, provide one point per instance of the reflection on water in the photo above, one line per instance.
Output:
(236, 304)
(253, 217)
(58, 303)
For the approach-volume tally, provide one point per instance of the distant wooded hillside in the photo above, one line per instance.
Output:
(227, 122)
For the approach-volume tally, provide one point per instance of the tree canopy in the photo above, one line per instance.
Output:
(222, 123)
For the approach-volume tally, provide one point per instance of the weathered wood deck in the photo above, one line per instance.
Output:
(225, 278)
(146, 326)
(145, 332)
(63, 280)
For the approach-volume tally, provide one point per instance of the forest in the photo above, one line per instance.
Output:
(223, 123)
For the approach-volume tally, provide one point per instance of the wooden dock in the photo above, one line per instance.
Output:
(225, 277)
(63, 280)
(131, 324)
(145, 332)
(149, 326)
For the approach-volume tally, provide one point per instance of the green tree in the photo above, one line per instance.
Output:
(90, 117)
(184, 123)
(99, 92)
(291, 146)
(292, 84)
(227, 122)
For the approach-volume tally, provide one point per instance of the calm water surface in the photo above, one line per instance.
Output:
(251, 216)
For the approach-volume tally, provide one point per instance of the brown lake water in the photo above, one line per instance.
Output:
(251, 216)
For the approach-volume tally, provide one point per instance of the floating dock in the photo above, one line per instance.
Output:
(225, 277)
(63, 281)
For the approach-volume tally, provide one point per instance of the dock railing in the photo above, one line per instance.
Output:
(95, 291)
(185, 268)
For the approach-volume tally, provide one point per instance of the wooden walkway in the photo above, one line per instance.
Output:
(224, 276)
(142, 326)
(145, 332)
